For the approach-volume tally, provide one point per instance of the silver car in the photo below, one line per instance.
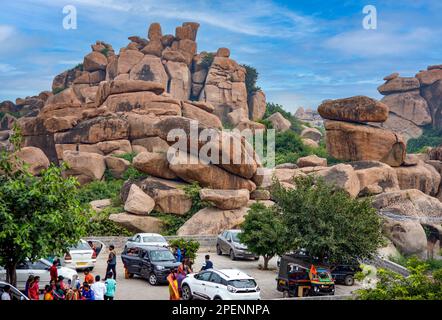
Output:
(142, 240)
(228, 243)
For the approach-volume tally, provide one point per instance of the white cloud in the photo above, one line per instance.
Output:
(6, 32)
(375, 43)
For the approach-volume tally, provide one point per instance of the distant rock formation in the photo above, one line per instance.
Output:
(310, 116)
(414, 102)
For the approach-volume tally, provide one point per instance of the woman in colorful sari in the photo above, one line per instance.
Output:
(173, 286)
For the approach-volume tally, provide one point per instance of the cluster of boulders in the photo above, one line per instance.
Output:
(414, 102)
(310, 116)
(403, 184)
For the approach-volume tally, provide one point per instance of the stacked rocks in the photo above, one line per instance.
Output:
(349, 136)
(414, 102)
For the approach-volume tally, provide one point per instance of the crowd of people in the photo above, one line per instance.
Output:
(92, 288)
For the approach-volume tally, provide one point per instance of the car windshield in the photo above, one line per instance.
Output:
(242, 284)
(323, 275)
(161, 255)
(81, 246)
(235, 237)
(153, 239)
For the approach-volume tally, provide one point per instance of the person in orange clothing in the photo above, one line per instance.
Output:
(173, 286)
(34, 289)
(53, 270)
(88, 277)
(48, 294)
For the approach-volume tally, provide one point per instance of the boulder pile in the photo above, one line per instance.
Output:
(414, 102)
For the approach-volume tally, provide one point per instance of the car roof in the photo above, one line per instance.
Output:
(148, 234)
(233, 230)
(232, 274)
(150, 248)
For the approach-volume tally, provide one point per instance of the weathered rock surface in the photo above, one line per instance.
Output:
(154, 164)
(399, 84)
(117, 166)
(226, 199)
(260, 194)
(342, 176)
(354, 109)
(423, 177)
(257, 105)
(136, 223)
(311, 133)
(34, 158)
(100, 205)
(375, 177)
(311, 161)
(138, 202)
(354, 142)
(149, 68)
(408, 236)
(211, 221)
(405, 128)
(279, 123)
(207, 119)
(410, 106)
(83, 165)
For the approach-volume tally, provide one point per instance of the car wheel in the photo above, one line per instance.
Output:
(153, 280)
(256, 258)
(130, 275)
(186, 293)
(349, 281)
(218, 250)
(232, 255)
(285, 294)
(217, 298)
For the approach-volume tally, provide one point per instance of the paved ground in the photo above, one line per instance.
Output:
(139, 289)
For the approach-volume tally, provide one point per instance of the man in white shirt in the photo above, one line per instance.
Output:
(99, 288)
(5, 294)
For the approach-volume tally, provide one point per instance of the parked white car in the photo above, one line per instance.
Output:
(16, 295)
(224, 284)
(39, 268)
(80, 257)
(141, 240)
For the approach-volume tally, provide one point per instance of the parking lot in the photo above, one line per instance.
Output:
(139, 289)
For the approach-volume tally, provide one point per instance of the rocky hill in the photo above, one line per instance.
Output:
(414, 102)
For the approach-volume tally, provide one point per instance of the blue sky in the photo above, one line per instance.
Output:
(305, 51)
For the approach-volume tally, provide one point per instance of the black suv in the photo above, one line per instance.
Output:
(151, 263)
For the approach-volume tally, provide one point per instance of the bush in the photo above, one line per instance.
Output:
(105, 51)
(100, 225)
(171, 222)
(272, 108)
(97, 190)
(207, 60)
(127, 156)
(193, 192)
(191, 246)
(57, 90)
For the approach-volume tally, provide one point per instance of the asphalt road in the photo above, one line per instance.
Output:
(139, 289)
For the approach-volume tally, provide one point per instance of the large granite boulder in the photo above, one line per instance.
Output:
(212, 221)
(423, 177)
(191, 169)
(94, 61)
(196, 113)
(83, 165)
(354, 142)
(257, 105)
(405, 128)
(138, 202)
(375, 177)
(149, 68)
(34, 158)
(226, 199)
(117, 166)
(410, 106)
(136, 223)
(279, 123)
(408, 236)
(311, 133)
(180, 80)
(154, 164)
(399, 84)
(433, 96)
(342, 176)
(354, 109)
(311, 161)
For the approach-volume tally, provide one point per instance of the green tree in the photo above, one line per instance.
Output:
(327, 222)
(264, 232)
(251, 79)
(40, 216)
(419, 285)
(191, 246)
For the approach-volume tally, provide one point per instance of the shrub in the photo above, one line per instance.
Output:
(57, 90)
(97, 190)
(193, 192)
(430, 138)
(191, 246)
(127, 156)
(251, 79)
(272, 108)
(207, 60)
(100, 225)
(105, 51)
(171, 222)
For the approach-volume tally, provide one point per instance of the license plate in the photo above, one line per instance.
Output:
(81, 263)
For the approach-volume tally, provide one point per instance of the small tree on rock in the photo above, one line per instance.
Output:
(264, 232)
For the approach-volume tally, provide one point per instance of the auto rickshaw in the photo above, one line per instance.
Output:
(299, 278)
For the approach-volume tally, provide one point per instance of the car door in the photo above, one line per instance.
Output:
(225, 245)
(146, 265)
(199, 286)
(132, 258)
(23, 273)
(40, 269)
(214, 286)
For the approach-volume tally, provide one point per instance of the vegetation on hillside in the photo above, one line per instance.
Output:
(251, 79)
(420, 285)
(430, 138)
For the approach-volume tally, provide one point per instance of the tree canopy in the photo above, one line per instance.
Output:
(264, 232)
(327, 222)
(40, 216)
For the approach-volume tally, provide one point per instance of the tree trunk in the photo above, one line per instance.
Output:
(266, 262)
(11, 274)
